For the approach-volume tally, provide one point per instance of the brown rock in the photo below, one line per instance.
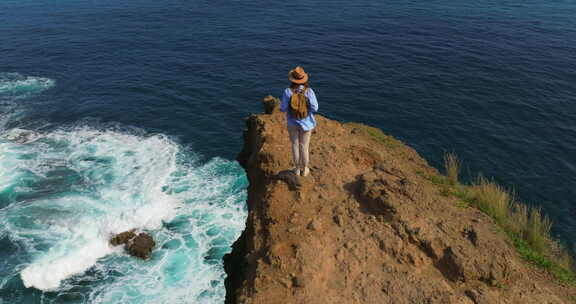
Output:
(141, 246)
(314, 225)
(366, 227)
(339, 220)
(123, 238)
(270, 104)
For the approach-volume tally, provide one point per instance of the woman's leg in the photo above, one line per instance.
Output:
(304, 137)
(293, 131)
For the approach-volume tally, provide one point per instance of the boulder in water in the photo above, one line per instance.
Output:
(123, 238)
(140, 245)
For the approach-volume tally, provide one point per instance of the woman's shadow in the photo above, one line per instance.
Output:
(290, 178)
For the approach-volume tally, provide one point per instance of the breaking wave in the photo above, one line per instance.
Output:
(15, 84)
(64, 192)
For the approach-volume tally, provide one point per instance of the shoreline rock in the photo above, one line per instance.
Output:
(365, 227)
(137, 245)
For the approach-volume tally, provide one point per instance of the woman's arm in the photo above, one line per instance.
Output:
(284, 100)
(313, 100)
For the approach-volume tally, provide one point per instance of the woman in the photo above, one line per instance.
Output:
(299, 129)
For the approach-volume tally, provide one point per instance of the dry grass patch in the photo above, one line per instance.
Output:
(452, 165)
(537, 232)
(491, 198)
(528, 228)
(518, 218)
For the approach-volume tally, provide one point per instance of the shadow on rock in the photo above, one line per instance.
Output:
(290, 178)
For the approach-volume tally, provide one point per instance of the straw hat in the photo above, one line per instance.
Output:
(298, 75)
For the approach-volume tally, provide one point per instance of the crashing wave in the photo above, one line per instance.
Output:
(64, 193)
(15, 87)
(70, 190)
(21, 136)
(16, 83)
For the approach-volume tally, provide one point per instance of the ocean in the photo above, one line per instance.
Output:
(122, 114)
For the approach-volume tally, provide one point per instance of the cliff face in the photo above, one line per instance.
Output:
(365, 227)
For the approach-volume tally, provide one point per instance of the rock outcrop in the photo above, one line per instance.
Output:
(137, 245)
(123, 237)
(365, 227)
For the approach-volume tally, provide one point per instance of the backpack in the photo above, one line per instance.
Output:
(299, 104)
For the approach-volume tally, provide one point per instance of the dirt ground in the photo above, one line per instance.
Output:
(366, 227)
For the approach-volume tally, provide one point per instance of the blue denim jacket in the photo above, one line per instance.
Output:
(308, 123)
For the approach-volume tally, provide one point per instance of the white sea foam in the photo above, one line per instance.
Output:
(16, 83)
(15, 87)
(126, 174)
(211, 218)
(69, 190)
(62, 262)
(99, 182)
(21, 136)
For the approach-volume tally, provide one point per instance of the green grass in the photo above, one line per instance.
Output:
(527, 227)
(528, 253)
(377, 134)
(440, 180)
(462, 204)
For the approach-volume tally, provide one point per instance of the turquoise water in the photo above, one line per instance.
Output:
(64, 192)
(129, 113)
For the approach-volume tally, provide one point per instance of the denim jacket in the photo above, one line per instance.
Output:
(308, 123)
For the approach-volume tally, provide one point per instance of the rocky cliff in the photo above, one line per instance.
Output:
(366, 227)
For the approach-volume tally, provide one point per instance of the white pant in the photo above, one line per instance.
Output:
(300, 142)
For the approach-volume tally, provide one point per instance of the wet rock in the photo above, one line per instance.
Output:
(122, 238)
(141, 246)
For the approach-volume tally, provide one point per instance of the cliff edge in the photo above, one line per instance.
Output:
(366, 227)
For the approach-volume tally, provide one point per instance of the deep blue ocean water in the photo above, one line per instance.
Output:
(117, 114)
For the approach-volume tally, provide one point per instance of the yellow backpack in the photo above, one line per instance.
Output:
(299, 104)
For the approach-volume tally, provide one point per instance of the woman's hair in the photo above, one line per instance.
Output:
(294, 86)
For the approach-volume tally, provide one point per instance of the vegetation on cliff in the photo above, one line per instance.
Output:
(527, 228)
(375, 223)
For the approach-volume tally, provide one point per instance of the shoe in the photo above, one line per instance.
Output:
(305, 171)
(296, 171)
